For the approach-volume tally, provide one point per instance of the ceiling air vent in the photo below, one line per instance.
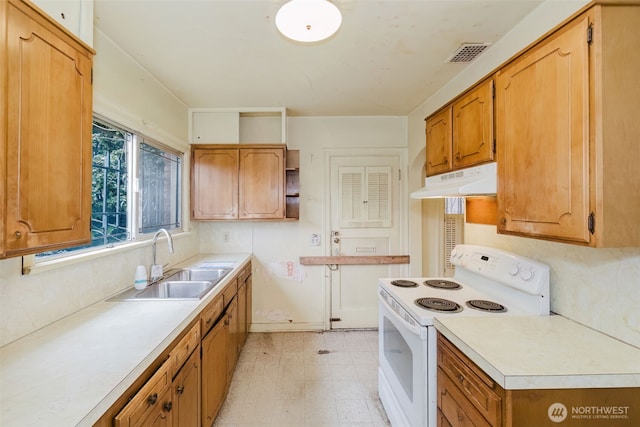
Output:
(467, 52)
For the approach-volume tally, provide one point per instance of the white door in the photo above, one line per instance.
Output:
(365, 221)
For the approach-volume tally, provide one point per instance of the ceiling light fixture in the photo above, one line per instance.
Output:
(308, 20)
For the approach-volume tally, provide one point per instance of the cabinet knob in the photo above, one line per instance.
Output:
(461, 377)
(167, 406)
(151, 400)
(180, 389)
(503, 221)
(18, 234)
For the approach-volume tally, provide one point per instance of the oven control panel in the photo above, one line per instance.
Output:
(512, 270)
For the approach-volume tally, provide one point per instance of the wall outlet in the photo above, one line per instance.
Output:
(315, 240)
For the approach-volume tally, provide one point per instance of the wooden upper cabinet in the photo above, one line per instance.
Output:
(261, 183)
(543, 140)
(438, 132)
(473, 127)
(245, 182)
(47, 111)
(567, 133)
(461, 134)
(214, 183)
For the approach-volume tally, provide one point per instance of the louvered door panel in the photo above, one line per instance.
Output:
(365, 194)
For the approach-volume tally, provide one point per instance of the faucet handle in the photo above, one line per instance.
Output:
(156, 271)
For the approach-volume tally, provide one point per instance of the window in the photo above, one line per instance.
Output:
(136, 187)
(453, 230)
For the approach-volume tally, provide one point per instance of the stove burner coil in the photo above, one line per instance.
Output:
(404, 283)
(443, 284)
(438, 304)
(484, 305)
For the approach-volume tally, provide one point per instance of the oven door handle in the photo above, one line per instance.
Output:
(415, 330)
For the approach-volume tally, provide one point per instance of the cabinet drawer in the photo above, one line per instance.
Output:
(244, 273)
(230, 291)
(454, 405)
(147, 400)
(478, 388)
(211, 314)
(184, 348)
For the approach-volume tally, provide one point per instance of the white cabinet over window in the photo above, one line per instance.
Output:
(237, 125)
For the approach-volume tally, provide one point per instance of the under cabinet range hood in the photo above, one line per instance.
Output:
(474, 181)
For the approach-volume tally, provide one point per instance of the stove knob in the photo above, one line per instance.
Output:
(526, 275)
(514, 270)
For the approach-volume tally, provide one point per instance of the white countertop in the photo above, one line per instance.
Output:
(543, 352)
(70, 372)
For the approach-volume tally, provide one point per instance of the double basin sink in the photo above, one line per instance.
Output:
(180, 284)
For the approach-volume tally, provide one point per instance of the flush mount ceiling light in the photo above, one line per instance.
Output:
(308, 20)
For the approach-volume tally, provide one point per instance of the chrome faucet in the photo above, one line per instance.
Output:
(153, 245)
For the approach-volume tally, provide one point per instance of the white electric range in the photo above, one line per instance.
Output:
(486, 282)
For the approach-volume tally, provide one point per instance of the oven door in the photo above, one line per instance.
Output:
(407, 371)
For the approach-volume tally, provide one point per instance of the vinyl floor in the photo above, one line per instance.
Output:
(306, 379)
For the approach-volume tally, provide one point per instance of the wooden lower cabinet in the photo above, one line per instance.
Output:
(152, 405)
(467, 396)
(185, 390)
(214, 371)
(233, 328)
(188, 383)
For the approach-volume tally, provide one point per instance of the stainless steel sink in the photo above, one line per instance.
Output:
(177, 284)
(197, 274)
(176, 289)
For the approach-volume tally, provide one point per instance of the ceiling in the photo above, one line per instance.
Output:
(387, 58)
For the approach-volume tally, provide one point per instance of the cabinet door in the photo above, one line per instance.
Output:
(186, 393)
(438, 133)
(48, 135)
(233, 329)
(214, 184)
(242, 315)
(542, 132)
(249, 283)
(261, 183)
(214, 372)
(473, 127)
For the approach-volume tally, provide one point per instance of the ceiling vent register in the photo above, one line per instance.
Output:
(467, 52)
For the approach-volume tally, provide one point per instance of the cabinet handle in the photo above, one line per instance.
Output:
(151, 400)
(180, 389)
(167, 406)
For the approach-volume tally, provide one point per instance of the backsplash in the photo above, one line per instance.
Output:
(28, 303)
(599, 288)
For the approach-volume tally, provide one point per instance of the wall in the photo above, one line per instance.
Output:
(126, 93)
(299, 301)
(596, 287)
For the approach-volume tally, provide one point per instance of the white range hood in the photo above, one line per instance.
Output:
(475, 181)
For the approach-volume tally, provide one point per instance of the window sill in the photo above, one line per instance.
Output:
(30, 266)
